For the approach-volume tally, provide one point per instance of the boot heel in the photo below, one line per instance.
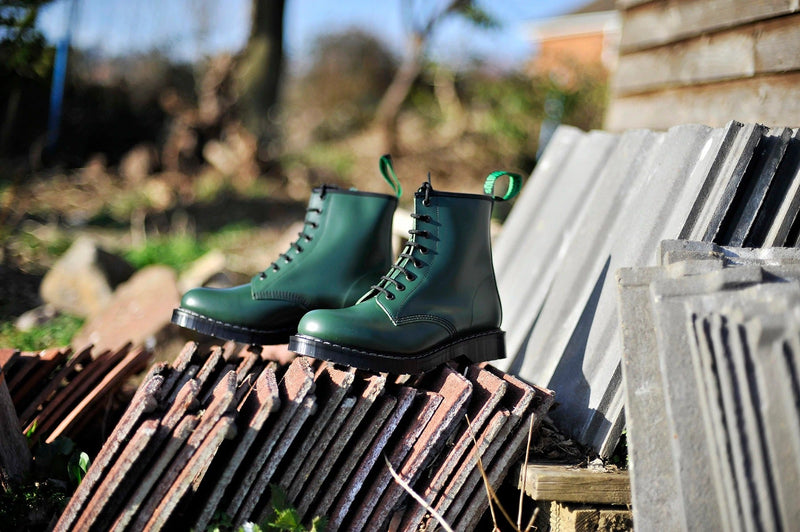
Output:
(483, 347)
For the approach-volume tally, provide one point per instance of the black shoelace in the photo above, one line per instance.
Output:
(302, 236)
(408, 254)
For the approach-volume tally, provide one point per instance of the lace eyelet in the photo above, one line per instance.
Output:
(262, 276)
(411, 276)
(275, 268)
(308, 238)
(423, 250)
(299, 249)
(314, 225)
(390, 296)
(401, 287)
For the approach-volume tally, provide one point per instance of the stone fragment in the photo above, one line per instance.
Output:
(139, 311)
(35, 317)
(82, 280)
(201, 271)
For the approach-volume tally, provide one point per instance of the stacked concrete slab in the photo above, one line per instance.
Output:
(711, 347)
(216, 432)
(597, 202)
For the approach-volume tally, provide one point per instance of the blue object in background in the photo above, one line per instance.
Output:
(59, 79)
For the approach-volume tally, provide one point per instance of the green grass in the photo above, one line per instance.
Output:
(57, 332)
(177, 251)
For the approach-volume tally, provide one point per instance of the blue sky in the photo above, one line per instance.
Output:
(190, 28)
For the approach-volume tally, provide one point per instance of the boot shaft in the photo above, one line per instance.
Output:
(346, 242)
(449, 270)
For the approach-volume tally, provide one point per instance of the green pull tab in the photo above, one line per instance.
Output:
(387, 170)
(514, 184)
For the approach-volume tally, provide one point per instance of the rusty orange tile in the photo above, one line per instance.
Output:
(296, 384)
(372, 475)
(143, 402)
(365, 435)
(193, 472)
(252, 416)
(332, 385)
(371, 388)
(455, 391)
(487, 391)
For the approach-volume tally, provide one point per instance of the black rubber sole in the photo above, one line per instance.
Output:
(229, 331)
(473, 348)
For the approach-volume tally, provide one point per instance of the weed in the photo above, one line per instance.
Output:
(283, 517)
(57, 332)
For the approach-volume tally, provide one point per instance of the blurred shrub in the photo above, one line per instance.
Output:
(349, 74)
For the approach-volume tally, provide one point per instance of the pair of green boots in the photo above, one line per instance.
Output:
(336, 295)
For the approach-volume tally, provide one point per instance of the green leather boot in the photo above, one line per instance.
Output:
(345, 245)
(438, 301)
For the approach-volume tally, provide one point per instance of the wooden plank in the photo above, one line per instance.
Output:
(575, 518)
(772, 100)
(15, 458)
(546, 482)
(744, 52)
(659, 23)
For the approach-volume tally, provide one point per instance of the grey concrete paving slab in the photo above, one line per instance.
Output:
(737, 224)
(547, 214)
(582, 352)
(740, 153)
(535, 192)
(691, 448)
(715, 199)
(781, 202)
(776, 339)
(654, 486)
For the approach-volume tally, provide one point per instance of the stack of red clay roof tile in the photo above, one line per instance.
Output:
(57, 393)
(215, 431)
